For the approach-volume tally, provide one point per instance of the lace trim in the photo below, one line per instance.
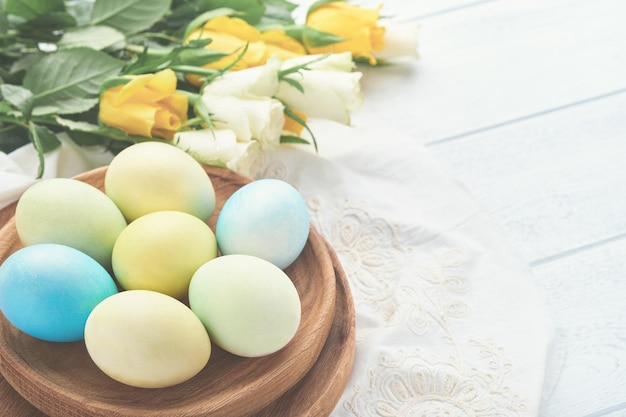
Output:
(411, 385)
(424, 292)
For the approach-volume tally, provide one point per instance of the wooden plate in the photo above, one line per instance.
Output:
(61, 380)
(315, 395)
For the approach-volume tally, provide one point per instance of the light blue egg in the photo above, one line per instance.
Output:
(266, 218)
(48, 291)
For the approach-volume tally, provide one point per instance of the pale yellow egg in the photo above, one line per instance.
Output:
(153, 176)
(146, 339)
(161, 251)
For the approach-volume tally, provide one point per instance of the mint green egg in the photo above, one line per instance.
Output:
(248, 305)
(72, 213)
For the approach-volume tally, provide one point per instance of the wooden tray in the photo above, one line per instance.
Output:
(61, 380)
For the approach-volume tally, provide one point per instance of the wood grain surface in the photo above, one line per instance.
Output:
(61, 380)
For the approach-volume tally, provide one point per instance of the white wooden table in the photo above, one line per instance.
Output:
(526, 101)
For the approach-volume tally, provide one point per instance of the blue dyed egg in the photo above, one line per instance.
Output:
(266, 218)
(48, 290)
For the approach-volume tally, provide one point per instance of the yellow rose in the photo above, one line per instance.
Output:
(282, 45)
(358, 26)
(148, 105)
(230, 35)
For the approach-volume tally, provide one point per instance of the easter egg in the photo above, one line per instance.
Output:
(72, 213)
(161, 251)
(146, 339)
(266, 218)
(48, 290)
(249, 306)
(154, 176)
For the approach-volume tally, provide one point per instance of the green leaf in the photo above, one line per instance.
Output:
(283, 75)
(94, 37)
(31, 9)
(252, 10)
(281, 4)
(197, 57)
(77, 125)
(83, 133)
(315, 38)
(129, 16)
(4, 23)
(195, 101)
(149, 60)
(9, 115)
(19, 97)
(44, 141)
(293, 139)
(302, 122)
(85, 138)
(81, 10)
(295, 84)
(12, 137)
(199, 43)
(48, 22)
(5, 107)
(184, 58)
(26, 61)
(180, 14)
(279, 10)
(68, 81)
(48, 141)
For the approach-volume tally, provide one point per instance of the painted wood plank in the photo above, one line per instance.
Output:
(617, 411)
(554, 183)
(586, 295)
(497, 62)
(403, 10)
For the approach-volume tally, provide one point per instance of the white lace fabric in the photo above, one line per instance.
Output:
(448, 323)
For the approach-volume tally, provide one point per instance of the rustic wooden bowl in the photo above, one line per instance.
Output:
(61, 380)
(315, 395)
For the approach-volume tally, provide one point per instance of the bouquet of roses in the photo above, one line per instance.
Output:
(218, 78)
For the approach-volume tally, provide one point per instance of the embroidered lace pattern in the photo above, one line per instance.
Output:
(422, 291)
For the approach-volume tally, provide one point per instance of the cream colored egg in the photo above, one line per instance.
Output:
(161, 251)
(153, 176)
(72, 213)
(146, 339)
(249, 306)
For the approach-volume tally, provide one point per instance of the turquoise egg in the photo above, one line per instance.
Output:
(267, 218)
(48, 290)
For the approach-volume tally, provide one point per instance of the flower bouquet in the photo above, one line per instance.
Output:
(219, 79)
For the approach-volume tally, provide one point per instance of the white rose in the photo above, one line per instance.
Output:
(218, 147)
(331, 62)
(251, 118)
(400, 41)
(257, 81)
(327, 94)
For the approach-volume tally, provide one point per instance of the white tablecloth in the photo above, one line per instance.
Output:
(448, 323)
